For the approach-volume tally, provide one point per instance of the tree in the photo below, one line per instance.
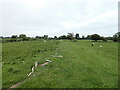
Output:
(40, 37)
(77, 36)
(23, 37)
(32, 39)
(45, 36)
(95, 37)
(14, 36)
(109, 38)
(104, 39)
(88, 37)
(83, 37)
(37, 37)
(70, 36)
(1, 36)
(116, 37)
(55, 37)
(63, 37)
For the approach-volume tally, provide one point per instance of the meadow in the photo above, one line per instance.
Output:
(82, 66)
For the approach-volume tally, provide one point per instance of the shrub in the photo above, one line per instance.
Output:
(75, 40)
(13, 39)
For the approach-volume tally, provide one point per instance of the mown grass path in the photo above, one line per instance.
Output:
(90, 66)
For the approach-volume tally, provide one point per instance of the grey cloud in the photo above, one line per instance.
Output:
(20, 18)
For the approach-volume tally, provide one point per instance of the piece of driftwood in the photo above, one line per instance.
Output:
(47, 61)
(36, 64)
(31, 71)
(44, 64)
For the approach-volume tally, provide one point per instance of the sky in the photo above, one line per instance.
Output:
(58, 17)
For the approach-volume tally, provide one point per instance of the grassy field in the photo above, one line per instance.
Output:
(82, 66)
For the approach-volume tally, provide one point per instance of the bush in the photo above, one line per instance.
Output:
(75, 40)
(26, 39)
(104, 39)
(95, 37)
(32, 39)
(116, 37)
(13, 39)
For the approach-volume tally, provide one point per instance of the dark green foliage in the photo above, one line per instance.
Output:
(10, 69)
(55, 37)
(63, 37)
(16, 71)
(95, 37)
(83, 37)
(109, 38)
(77, 36)
(32, 39)
(13, 39)
(1, 36)
(104, 39)
(116, 37)
(40, 37)
(70, 36)
(14, 36)
(88, 37)
(13, 62)
(23, 37)
(45, 36)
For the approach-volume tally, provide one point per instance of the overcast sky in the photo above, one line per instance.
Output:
(58, 17)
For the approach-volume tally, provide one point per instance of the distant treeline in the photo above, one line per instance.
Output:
(70, 36)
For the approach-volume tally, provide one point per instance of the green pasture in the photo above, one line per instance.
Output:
(82, 66)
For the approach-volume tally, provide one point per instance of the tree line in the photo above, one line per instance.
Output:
(70, 36)
(95, 37)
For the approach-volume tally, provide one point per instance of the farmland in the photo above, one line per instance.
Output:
(82, 66)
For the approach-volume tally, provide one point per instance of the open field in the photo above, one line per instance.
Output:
(82, 66)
